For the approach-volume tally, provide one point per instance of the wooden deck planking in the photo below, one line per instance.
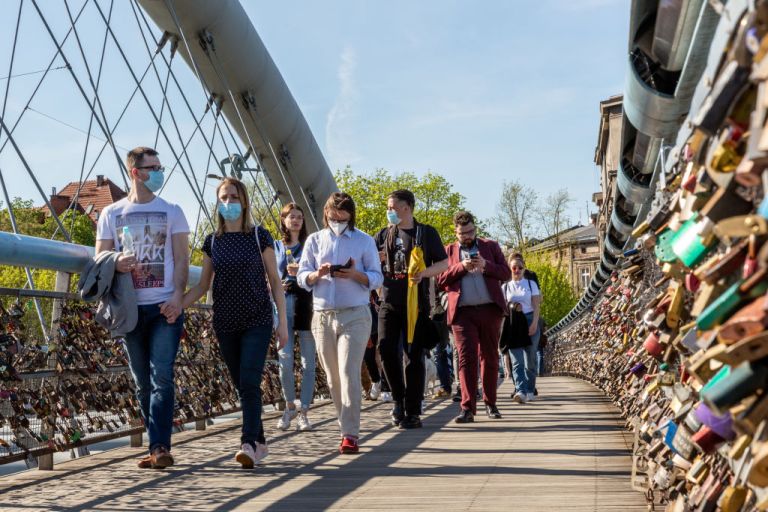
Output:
(565, 451)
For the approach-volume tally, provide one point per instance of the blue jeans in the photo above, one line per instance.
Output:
(307, 348)
(525, 362)
(151, 347)
(443, 365)
(244, 353)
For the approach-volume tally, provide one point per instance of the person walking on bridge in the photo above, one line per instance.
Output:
(398, 244)
(475, 311)
(152, 235)
(340, 265)
(524, 293)
(298, 304)
(240, 260)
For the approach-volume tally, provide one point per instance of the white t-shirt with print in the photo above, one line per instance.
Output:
(521, 292)
(152, 225)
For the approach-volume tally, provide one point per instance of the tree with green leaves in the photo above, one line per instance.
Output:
(436, 201)
(558, 296)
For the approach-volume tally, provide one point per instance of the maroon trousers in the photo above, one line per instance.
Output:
(476, 330)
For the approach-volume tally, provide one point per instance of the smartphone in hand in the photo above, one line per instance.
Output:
(336, 268)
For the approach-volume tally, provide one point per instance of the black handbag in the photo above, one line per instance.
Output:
(514, 331)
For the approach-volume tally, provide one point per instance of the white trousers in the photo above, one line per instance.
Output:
(341, 337)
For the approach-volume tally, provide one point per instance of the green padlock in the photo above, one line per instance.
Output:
(720, 375)
(725, 304)
(688, 244)
(663, 249)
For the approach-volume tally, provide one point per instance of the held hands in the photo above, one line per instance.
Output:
(416, 278)
(172, 308)
(126, 263)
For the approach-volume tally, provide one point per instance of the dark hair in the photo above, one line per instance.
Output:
(405, 196)
(518, 256)
(284, 230)
(246, 226)
(463, 218)
(136, 155)
(340, 201)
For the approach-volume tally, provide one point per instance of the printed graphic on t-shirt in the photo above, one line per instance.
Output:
(150, 233)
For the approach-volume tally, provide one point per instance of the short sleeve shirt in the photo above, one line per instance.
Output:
(521, 292)
(152, 226)
(240, 295)
(395, 288)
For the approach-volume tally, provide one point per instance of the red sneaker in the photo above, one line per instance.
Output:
(349, 445)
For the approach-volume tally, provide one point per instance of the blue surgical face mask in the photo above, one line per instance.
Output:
(155, 181)
(230, 211)
(392, 217)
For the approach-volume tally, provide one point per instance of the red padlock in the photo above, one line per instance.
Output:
(652, 345)
(692, 283)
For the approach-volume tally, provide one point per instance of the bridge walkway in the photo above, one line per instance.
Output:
(564, 451)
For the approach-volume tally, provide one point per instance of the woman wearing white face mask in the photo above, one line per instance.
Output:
(340, 265)
(240, 258)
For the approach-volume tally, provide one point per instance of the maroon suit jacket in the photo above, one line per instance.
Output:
(496, 272)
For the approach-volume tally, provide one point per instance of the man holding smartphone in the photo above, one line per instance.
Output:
(476, 269)
(395, 243)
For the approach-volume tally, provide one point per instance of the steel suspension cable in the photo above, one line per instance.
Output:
(81, 182)
(149, 104)
(11, 213)
(104, 130)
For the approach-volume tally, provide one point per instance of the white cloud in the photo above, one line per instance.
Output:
(339, 125)
(534, 104)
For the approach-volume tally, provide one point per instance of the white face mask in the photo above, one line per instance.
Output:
(337, 227)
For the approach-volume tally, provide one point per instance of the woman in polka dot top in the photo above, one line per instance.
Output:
(239, 265)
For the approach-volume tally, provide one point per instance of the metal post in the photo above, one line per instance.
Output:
(137, 440)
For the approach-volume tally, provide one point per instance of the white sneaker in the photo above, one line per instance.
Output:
(246, 456)
(423, 406)
(520, 398)
(375, 391)
(302, 422)
(284, 423)
(386, 396)
(261, 452)
(531, 397)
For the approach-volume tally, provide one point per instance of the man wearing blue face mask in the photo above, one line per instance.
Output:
(396, 244)
(158, 260)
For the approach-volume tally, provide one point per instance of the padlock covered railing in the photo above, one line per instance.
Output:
(668, 51)
(677, 336)
(75, 389)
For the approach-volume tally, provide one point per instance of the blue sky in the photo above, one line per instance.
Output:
(480, 92)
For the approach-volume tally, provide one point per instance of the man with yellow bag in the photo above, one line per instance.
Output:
(411, 253)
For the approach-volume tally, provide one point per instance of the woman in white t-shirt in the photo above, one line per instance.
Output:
(523, 293)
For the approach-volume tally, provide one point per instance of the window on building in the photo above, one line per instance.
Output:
(585, 277)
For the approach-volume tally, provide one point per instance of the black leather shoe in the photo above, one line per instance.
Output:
(493, 412)
(457, 396)
(397, 414)
(411, 421)
(465, 417)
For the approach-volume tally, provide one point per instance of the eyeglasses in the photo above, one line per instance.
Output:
(156, 168)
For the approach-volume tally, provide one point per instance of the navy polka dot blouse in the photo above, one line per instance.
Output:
(240, 294)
